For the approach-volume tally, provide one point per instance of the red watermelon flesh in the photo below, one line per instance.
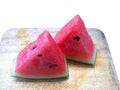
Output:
(75, 42)
(41, 59)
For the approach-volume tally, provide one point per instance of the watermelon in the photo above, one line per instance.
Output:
(75, 42)
(40, 59)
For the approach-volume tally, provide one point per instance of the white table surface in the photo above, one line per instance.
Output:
(101, 14)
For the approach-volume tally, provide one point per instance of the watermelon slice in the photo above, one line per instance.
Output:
(41, 59)
(75, 42)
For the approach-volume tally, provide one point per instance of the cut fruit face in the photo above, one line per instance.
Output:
(75, 42)
(40, 59)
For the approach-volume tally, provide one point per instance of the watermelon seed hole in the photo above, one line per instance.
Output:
(34, 47)
(53, 65)
(76, 38)
(39, 55)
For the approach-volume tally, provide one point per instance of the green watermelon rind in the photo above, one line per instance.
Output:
(85, 61)
(17, 75)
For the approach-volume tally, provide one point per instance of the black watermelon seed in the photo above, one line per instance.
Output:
(76, 38)
(34, 47)
(39, 55)
(53, 66)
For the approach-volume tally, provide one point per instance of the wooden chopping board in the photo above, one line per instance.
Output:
(101, 76)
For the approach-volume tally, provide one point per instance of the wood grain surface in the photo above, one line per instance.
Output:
(101, 76)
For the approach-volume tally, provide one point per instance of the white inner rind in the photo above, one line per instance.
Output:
(14, 74)
(92, 61)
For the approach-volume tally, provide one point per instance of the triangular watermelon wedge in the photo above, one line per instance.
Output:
(41, 59)
(75, 42)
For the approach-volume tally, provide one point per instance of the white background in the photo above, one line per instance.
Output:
(101, 14)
